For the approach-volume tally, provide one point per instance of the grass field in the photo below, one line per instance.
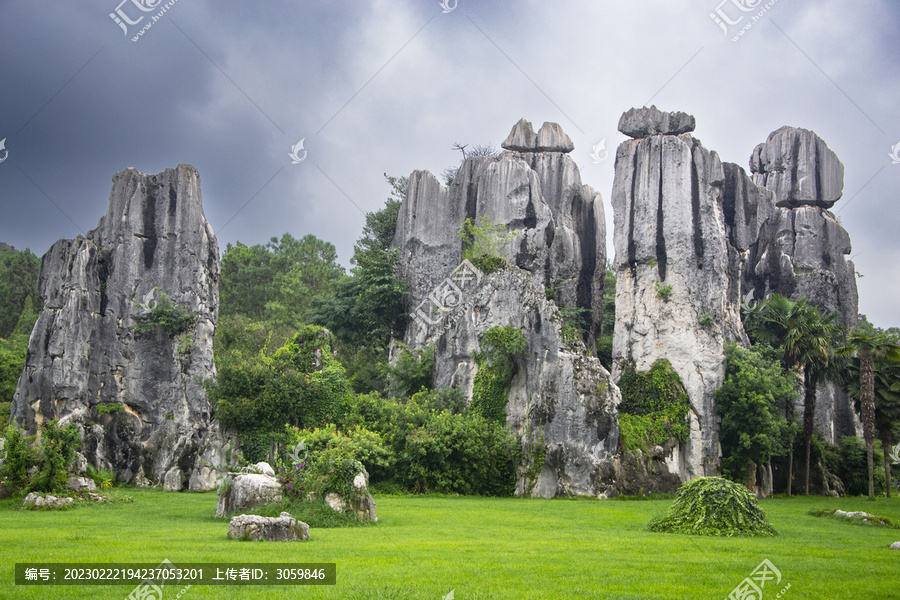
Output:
(426, 546)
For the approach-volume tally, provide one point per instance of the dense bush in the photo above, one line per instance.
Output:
(848, 462)
(301, 384)
(411, 370)
(714, 506)
(462, 454)
(654, 407)
(49, 460)
(435, 443)
(485, 243)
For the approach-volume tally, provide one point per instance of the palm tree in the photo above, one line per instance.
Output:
(806, 339)
(869, 348)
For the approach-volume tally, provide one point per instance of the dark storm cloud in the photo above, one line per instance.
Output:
(375, 87)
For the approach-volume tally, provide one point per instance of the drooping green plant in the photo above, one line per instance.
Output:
(714, 506)
(654, 407)
(497, 365)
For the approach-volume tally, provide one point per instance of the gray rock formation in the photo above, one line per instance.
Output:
(797, 165)
(549, 138)
(284, 528)
(641, 122)
(137, 397)
(78, 484)
(677, 292)
(801, 249)
(560, 397)
(559, 222)
(246, 491)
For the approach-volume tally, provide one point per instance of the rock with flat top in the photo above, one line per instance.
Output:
(246, 491)
(284, 528)
(641, 122)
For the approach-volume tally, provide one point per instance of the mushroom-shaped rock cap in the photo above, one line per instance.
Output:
(799, 167)
(641, 122)
(550, 138)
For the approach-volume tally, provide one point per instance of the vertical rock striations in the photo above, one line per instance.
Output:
(560, 399)
(801, 248)
(137, 395)
(534, 188)
(678, 277)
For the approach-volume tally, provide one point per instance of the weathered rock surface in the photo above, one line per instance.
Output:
(801, 249)
(559, 224)
(797, 165)
(560, 397)
(78, 484)
(246, 491)
(641, 122)
(84, 351)
(895, 546)
(284, 528)
(678, 285)
(549, 138)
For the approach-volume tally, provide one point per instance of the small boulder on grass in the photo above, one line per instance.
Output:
(714, 506)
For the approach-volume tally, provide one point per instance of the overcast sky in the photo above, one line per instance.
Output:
(231, 86)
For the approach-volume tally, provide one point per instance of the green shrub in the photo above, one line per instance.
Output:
(20, 457)
(103, 478)
(358, 443)
(574, 323)
(848, 462)
(4, 414)
(448, 398)
(654, 407)
(109, 408)
(464, 454)
(484, 243)
(165, 317)
(664, 292)
(411, 371)
(714, 506)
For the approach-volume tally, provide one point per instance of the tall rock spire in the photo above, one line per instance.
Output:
(137, 396)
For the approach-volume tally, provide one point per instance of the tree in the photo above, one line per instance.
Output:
(887, 403)
(807, 341)
(869, 347)
(277, 282)
(19, 272)
(753, 429)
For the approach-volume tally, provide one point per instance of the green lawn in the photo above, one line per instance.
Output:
(423, 547)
